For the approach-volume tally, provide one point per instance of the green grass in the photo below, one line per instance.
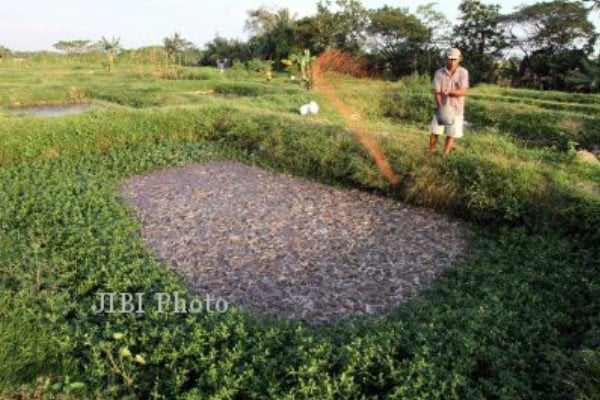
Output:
(535, 119)
(518, 318)
(549, 95)
(515, 99)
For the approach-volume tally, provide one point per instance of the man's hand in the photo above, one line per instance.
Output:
(456, 93)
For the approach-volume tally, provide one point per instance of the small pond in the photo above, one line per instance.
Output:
(54, 110)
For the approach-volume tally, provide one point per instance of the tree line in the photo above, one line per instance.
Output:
(547, 45)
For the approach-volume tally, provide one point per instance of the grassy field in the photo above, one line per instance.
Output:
(519, 318)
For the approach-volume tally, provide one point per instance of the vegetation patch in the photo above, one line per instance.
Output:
(411, 100)
(518, 317)
(241, 89)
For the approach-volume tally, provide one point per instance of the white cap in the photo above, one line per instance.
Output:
(453, 54)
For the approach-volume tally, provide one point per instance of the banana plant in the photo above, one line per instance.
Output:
(304, 61)
(110, 47)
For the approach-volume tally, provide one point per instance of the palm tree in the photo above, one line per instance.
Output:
(110, 47)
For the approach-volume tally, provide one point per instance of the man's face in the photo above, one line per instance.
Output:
(452, 64)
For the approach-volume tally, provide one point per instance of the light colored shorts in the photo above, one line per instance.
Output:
(455, 130)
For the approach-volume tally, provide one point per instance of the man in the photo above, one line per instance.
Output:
(450, 86)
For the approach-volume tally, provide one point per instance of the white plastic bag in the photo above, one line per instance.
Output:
(310, 108)
(304, 110)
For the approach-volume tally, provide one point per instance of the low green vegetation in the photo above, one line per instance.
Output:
(518, 318)
(558, 120)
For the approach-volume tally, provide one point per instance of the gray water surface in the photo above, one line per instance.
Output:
(54, 110)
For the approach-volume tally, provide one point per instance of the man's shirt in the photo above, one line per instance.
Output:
(444, 81)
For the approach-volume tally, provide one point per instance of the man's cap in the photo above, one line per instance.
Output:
(453, 54)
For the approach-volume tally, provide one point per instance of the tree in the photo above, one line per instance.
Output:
(398, 39)
(307, 34)
(440, 31)
(175, 44)
(79, 46)
(110, 47)
(223, 48)
(344, 29)
(4, 52)
(585, 79)
(262, 21)
(274, 33)
(304, 61)
(556, 39)
(553, 26)
(480, 38)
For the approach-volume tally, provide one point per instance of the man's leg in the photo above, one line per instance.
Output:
(433, 139)
(434, 130)
(454, 131)
(448, 145)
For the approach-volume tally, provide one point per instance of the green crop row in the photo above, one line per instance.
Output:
(531, 126)
(581, 108)
(564, 97)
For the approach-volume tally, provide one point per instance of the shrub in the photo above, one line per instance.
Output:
(333, 60)
(257, 65)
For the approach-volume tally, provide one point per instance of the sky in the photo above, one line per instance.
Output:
(31, 25)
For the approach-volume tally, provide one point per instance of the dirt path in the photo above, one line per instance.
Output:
(356, 123)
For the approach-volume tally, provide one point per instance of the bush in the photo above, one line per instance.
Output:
(257, 65)
(333, 60)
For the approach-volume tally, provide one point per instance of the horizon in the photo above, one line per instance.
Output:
(36, 25)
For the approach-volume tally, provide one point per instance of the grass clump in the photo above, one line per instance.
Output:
(240, 89)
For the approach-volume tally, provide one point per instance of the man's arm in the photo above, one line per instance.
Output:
(457, 93)
(437, 95)
(437, 90)
(464, 85)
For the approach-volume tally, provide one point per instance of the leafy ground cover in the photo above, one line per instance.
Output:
(519, 318)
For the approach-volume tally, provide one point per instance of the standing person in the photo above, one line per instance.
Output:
(450, 85)
(221, 65)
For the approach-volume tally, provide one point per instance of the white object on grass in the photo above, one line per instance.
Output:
(304, 110)
(310, 108)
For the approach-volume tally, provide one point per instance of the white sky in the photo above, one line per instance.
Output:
(37, 24)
